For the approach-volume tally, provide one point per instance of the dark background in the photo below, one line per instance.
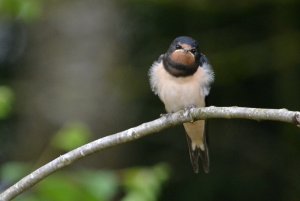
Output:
(88, 61)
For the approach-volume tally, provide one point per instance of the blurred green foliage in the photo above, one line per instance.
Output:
(26, 10)
(71, 136)
(145, 184)
(133, 184)
(6, 101)
(103, 185)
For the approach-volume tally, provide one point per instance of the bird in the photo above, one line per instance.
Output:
(182, 78)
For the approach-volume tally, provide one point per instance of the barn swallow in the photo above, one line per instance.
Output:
(181, 78)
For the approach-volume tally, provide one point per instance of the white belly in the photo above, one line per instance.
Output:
(179, 95)
(178, 92)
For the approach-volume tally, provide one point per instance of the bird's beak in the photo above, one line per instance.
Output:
(185, 51)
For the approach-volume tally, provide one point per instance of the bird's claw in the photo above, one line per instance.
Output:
(190, 107)
(297, 119)
(188, 110)
(165, 115)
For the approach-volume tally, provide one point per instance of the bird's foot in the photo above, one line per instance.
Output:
(166, 114)
(297, 119)
(188, 110)
(190, 107)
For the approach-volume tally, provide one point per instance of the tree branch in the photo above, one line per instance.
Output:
(144, 129)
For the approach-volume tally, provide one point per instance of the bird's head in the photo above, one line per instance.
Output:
(182, 57)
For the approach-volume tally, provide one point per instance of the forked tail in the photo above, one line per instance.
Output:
(196, 153)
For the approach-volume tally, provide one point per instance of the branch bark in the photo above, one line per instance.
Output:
(166, 121)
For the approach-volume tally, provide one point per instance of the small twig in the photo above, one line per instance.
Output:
(144, 129)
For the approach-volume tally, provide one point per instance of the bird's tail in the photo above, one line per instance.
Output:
(197, 152)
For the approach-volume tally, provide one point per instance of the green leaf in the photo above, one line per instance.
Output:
(79, 185)
(103, 185)
(6, 101)
(145, 183)
(59, 187)
(26, 10)
(71, 136)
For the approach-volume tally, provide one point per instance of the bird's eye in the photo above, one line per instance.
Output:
(178, 47)
(193, 50)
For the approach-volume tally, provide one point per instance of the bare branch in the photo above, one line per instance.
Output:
(144, 129)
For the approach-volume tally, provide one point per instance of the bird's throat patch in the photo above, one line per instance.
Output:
(182, 57)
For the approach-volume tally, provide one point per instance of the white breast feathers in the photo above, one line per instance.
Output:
(180, 92)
